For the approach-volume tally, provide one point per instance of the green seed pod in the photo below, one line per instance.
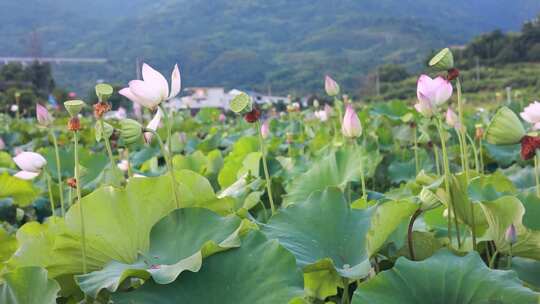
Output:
(443, 60)
(130, 131)
(505, 128)
(241, 104)
(104, 133)
(103, 91)
(74, 107)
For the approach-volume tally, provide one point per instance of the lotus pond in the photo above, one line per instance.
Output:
(336, 201)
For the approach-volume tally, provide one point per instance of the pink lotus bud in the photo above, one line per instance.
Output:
(531, 114)
(123, 165)
(30, 164)
(43, 116)
(351, 126)
(153, 125)
(321, 115)
(452, 119)
(331, 86)
(432, 93)
(265, 129)
(510, 235)
(121, 113)
(222, 117)
(2, 144)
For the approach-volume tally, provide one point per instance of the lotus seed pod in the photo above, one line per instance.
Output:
(241, 104)
(505, 128)
(103, 91)
(74, 107)
(130, 131)
(443, 60)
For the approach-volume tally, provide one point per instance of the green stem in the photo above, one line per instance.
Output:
(437, 162)
(49, 187)
(130, 171)
(475, 151)
(345, 296)
(463, 128)
(416, 160)
(168, 162)
(493, 259)
(167, 121)
(109, 150)
(446, 167)
(265, 167)
(473, 219)
(58, 172)
(481, 153)
(537, 173)
(79, 197)
(509, 263)
(362, 174)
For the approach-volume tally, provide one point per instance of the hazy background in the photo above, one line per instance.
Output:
(285, 46)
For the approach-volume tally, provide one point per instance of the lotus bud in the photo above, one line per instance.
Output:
(452, 119)
(74, 107)
(331, 86)
(130, 131)
(265, 129)
(316, 103)
(222, 117)
(103, 91)
(14, 108)
(351, 126)
(103, 133)
(43, 116)
(443, 60)
(505, 128)
(2, 144)
(510, 235)
(531, 114)
(479, 131)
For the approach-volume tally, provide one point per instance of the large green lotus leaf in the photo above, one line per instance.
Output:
(117, 221)
(528, 270)
(462, 204)
(335, 170)
(504, 155)
(178, 242)
(444, 278)
(531, 202)
(503, 212)
(324, 233)
(22, 191)
(260, 271)
(8, 245)
(28, 285)
(490, 187)
(234, 160)
(402, 171)
(522, 178)
(206, 165)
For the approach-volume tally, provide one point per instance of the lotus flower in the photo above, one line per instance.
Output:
(431, 94)
(510, 234)
(351, 126)
(2, 144)
(452, 119)
(222, 117)
(265, 129)
(321, 115)
(123, 165)
(14, 108)
(30, 164)
(137, 111)
(531, 114)
(153, 89)
(121, 113)
(153, 125)
(331, 86)
(43, 116)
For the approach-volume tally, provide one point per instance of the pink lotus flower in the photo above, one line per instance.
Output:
(351, 126)
(222, 117)
(452, 119)
(43, 116)
(137, 111)
(153, 125)
(2, 144)
(431, 94)
(331, 86)
(121, 113)
(30, 164)
(321, 115)
(531, 114)
(511, 235)
(153, 89)
(265, 129)
(123, 165)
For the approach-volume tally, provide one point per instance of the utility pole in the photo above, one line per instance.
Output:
(377, 82)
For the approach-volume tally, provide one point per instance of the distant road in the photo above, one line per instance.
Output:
(57, 60)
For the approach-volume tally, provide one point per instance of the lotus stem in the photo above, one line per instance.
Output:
(416, 160)
(168, 124)
(49, 187)
(79, 197)
(475, 151)
(345, 297)
(481, 154)
(437, 162)
(492, 262)
(362, 175)
(108, 148)
(130, 170)
(265, 168)
(58, 172)
(509, 261)
(537, 173)
(463, 128)
(410, 234)
(168, 162)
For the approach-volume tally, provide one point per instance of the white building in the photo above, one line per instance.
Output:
(216, 97)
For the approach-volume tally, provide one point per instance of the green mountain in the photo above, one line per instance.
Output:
(257, 44)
